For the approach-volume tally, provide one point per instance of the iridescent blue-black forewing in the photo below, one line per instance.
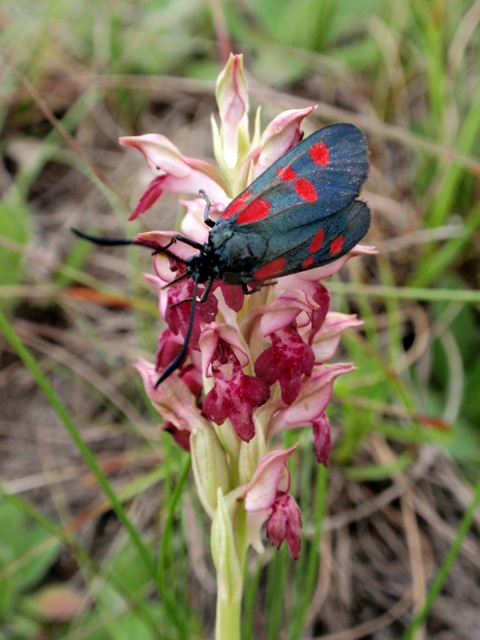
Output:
(327, 170)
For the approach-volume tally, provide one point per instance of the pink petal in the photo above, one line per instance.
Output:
(280, 136)
(209, 342)
(327, 339)
(314, 396)
(172, 399)
(162, 155)
(284, 310)
(193, 225)
(262, 489)
(167, 240)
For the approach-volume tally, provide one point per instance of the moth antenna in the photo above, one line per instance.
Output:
(116, 242)
(183, 351)
(177, 279)
(112, 242)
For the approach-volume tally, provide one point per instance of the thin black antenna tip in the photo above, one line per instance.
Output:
(179, 358)
(112, 242)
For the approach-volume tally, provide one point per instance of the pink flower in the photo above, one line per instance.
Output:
(267, 500)
(254, 365)
(234, 394)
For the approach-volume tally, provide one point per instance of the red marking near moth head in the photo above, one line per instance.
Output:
(317, 241)
(270, 269)
(255, 210)
(336, 245)
(320, 153)
(236, 204)
(307, 263)
(306, 190)
(286, 174)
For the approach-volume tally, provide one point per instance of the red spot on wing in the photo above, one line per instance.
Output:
(272, 268)
(255, 210)
(307, 263)
(236, 204)
(306, 190)
(317, 241)
(286, 174)
(320, 153)
(336, 245)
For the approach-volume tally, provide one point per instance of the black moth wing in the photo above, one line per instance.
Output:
(313, 245)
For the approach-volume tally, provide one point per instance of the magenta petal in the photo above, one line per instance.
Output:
(322, 298)
(234, 395)
(177, 312)
(285, 523)
(235, 398)
(233, 295)
(181, 437)
(151, 194)
(287, 360)
(168, 346)
(323, 439)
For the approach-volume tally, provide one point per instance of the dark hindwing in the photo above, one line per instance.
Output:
(315, 244)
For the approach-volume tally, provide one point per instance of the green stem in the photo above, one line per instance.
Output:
(229, 548)
(228, 621)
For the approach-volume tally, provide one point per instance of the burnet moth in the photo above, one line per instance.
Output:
(299, 214)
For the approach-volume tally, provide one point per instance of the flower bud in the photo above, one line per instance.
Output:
(232, 100)
(209, 467)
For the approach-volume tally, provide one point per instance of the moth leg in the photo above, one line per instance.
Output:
(206, 291)
(206, 214)
(202, 298)
(255, 286)
(191, 243)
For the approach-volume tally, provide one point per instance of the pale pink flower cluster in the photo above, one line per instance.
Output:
(257, 365)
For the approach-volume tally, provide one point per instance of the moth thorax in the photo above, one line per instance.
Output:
(241, 252)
